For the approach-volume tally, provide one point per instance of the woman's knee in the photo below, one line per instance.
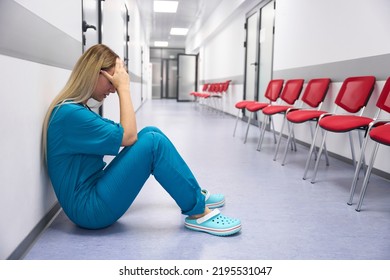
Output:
(150, 129)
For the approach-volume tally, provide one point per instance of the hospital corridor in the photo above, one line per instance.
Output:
(274, 141)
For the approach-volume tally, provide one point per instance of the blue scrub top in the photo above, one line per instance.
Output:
(77, 141)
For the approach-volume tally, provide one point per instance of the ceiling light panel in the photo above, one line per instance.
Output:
(165, 6)
(160, 43)
(179, 31)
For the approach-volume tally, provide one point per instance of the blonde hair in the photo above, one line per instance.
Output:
(81, 83)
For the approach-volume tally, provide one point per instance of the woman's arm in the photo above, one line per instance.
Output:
(121, 82)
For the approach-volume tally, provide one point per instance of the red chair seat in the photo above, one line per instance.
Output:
(256, 106)
(344, 123)
(381, 134)
(243, 104)
(301, 116)
(275, 109)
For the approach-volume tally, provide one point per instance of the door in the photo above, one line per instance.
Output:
(156, 78)
(251, 59)
(186, 76)
(91, 23)
(266, 38)
(169, 78)
(91, 30)
(126, 37)
(259, 51)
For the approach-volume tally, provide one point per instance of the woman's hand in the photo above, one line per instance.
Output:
(120, 79)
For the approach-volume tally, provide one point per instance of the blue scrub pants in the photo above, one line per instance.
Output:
(153, 153)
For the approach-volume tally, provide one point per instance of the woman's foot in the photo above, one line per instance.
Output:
(213, 200)
(213, 222)
(206, 211)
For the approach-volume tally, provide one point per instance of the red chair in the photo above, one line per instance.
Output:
(225, 86)
(380, 134)
(217, 91)
(291, 91)
(241, 105)
(272, 93)
(353, 98)
(313, 97)
(198, 95)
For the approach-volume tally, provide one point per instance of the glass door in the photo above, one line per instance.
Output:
(187, 76)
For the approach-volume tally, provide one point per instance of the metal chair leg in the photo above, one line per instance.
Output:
(367, 177)
(293, 142)
(325, 133)
(247, 127)
(352, 148)
(280, 138)
(259, 143)
(290, 132)
(312, 148)
(360, 143)
(272, 125)
(235, 127)
(357, 171)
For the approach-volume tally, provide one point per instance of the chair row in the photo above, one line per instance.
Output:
(211, 91)
(351, 100)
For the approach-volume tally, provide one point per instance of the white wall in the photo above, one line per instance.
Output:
(27, 89)
(318, 32)
(55, 12)
(220, 63)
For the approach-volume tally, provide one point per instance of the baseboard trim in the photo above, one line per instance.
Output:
(30, 239)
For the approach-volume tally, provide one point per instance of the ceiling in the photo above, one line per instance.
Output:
(190, 14)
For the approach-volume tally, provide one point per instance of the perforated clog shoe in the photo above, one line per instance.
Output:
(214, 223)
(213, 200)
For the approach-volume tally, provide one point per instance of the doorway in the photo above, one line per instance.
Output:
(259, 50)
(164, 72)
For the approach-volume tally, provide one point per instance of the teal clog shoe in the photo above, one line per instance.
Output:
(214, 223)
(213, 200)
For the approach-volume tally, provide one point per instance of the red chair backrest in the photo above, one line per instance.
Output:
(384, 99)
(273, 89)
(355, 93)
(218, 87)
(315, 91)
(205, 87)
(225, 86)
(291, 90)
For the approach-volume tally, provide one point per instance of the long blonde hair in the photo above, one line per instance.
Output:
(81, 83)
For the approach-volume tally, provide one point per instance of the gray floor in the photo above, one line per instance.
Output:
(283, 216)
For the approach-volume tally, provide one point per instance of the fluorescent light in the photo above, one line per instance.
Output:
(160, 43)
(179, 31)
(165, 6)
